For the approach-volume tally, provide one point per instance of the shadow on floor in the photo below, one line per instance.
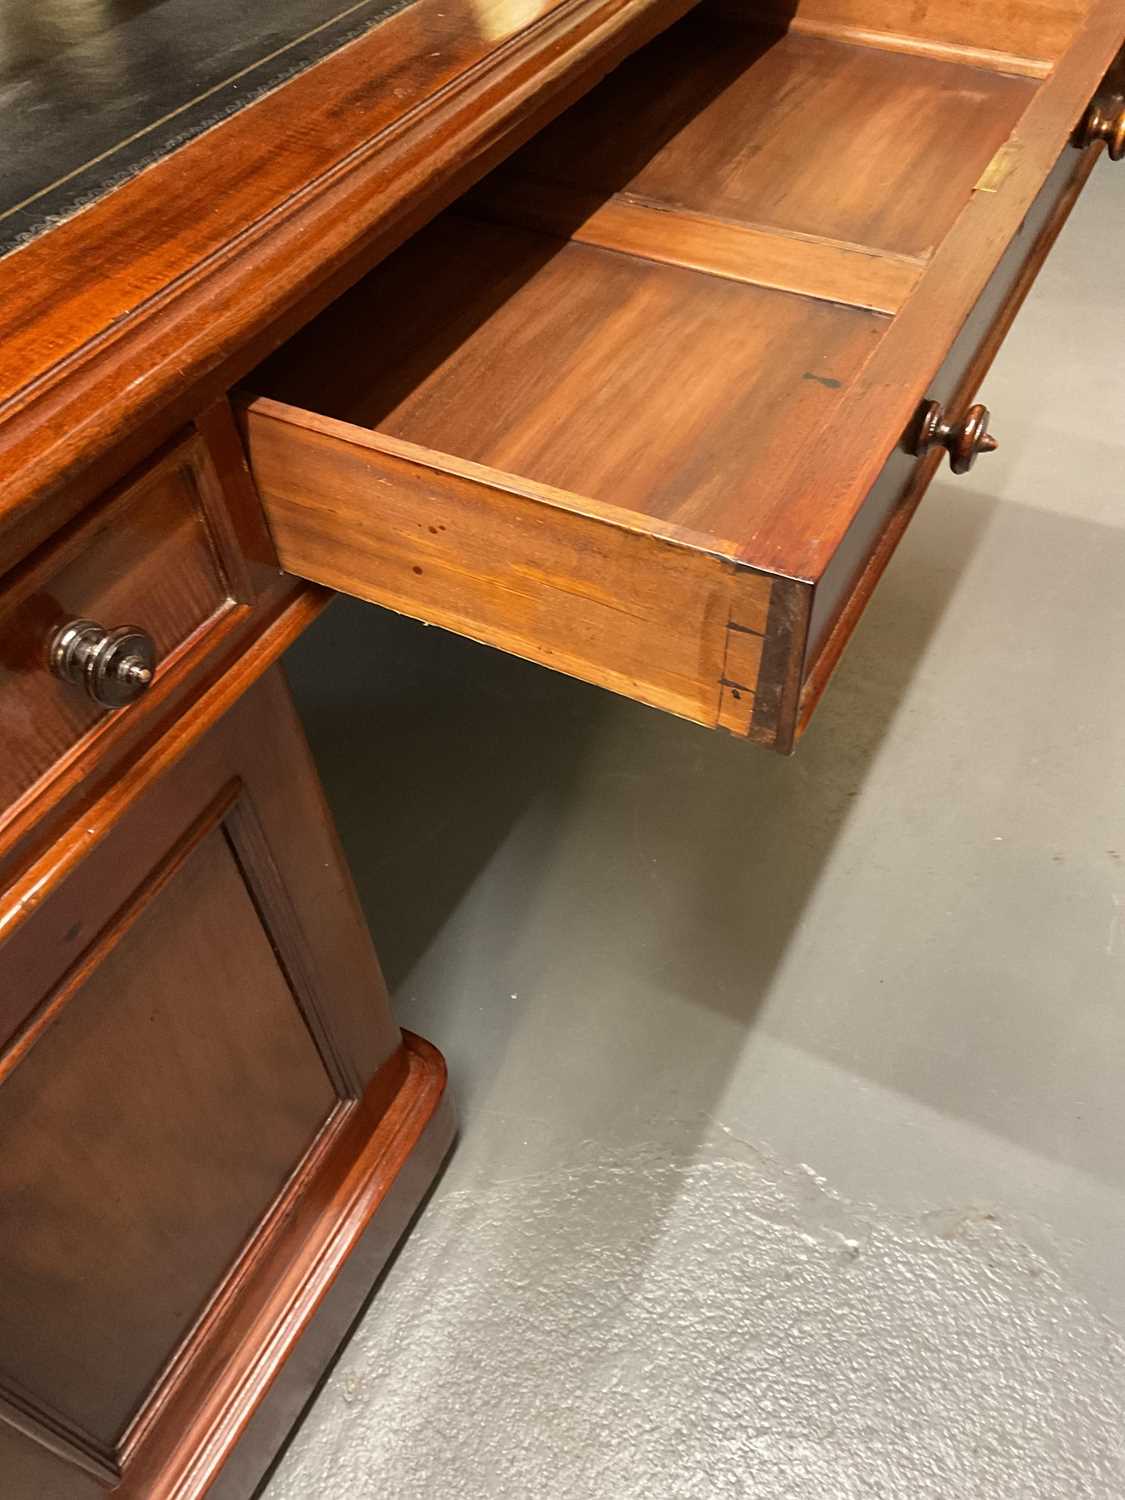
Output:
(689, 856)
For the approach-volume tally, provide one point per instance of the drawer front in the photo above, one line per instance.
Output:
(156, 554)
(843, 590)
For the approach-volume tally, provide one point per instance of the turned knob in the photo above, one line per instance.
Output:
(963, 440)
(1105, 121)
(113, 666)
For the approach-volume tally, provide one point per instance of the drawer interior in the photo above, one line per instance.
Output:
(588, 414)
(625, 380)
(763, 140)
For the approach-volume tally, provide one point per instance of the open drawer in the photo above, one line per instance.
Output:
(648, 406)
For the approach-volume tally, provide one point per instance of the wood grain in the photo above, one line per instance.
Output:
(794, 133)
(622, 376)
(199, 963)
(635, 384)
(400, 1132)
(149, 556)
(742, 665)
(1012, 28)
(537, 574)
(788, 262)
(988, 59)
(28, 882)
(536, 357)
(236, 550)
(122, 322)
(49, 917)
(849, 581)
(130, 1213)
(820, 486)
(304, 1287)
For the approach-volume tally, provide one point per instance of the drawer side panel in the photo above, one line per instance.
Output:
(639, 614)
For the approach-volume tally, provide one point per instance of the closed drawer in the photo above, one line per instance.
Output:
(157, 554)
(646, 406)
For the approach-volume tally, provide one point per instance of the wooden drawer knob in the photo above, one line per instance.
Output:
(963, 440)
(1105, 121)
(113, 666)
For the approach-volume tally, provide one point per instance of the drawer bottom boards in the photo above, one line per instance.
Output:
(643, 406)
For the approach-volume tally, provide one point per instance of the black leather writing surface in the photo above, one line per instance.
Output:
(91, 91)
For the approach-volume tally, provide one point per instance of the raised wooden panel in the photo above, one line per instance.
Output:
(157, 554)
(199, 1079)
(144, 1136)
(32, 1472)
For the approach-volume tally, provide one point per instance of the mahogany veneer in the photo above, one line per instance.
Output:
(214, 1132)
(204, 1100)
(159, 550)
(643, 407)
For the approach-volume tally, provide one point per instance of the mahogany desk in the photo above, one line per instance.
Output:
(640, 378)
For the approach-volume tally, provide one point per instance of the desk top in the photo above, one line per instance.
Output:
(91, 92)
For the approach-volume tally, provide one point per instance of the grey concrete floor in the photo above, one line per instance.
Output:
(793, 1092)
